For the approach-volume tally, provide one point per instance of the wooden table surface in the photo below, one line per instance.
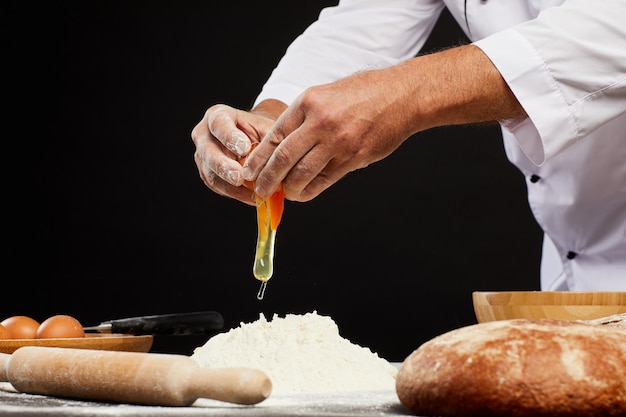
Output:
(347, 404)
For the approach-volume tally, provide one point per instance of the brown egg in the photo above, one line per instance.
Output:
(21, 327)
(60, 326)
(4, 332)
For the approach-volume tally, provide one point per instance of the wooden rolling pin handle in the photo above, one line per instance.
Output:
(236, 385)
(131, 377)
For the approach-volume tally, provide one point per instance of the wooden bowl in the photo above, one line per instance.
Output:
(118, 342)
(563, 305)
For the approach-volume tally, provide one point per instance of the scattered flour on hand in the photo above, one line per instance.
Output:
(300, 354)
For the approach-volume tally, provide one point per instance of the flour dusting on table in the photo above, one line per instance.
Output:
(300, 354)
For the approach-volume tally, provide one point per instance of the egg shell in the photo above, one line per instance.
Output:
(4, 332)
(60, 326)
(21, 327)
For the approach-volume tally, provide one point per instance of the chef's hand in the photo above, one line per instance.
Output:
(223, 137)
(327, 132)
(336, 128)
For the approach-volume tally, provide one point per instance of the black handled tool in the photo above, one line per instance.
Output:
(200, 322)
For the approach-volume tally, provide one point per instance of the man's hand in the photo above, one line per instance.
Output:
(222, 138)
(339, 127)
(329, 131)
(333, 129)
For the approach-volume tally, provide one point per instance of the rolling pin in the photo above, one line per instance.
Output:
(129, 377)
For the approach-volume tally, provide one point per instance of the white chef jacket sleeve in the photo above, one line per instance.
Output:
(567, 68)
(352, 36)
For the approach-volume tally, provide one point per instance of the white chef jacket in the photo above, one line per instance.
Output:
(565, 61)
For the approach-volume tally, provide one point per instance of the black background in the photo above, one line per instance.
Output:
(106, 216)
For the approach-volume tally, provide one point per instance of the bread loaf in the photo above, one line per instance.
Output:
(518, 368)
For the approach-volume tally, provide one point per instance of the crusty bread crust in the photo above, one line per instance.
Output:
(518, 368)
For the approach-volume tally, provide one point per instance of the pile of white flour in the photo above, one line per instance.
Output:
(300, 354)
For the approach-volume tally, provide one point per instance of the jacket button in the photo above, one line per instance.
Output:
(571, 255)
(534, 178)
